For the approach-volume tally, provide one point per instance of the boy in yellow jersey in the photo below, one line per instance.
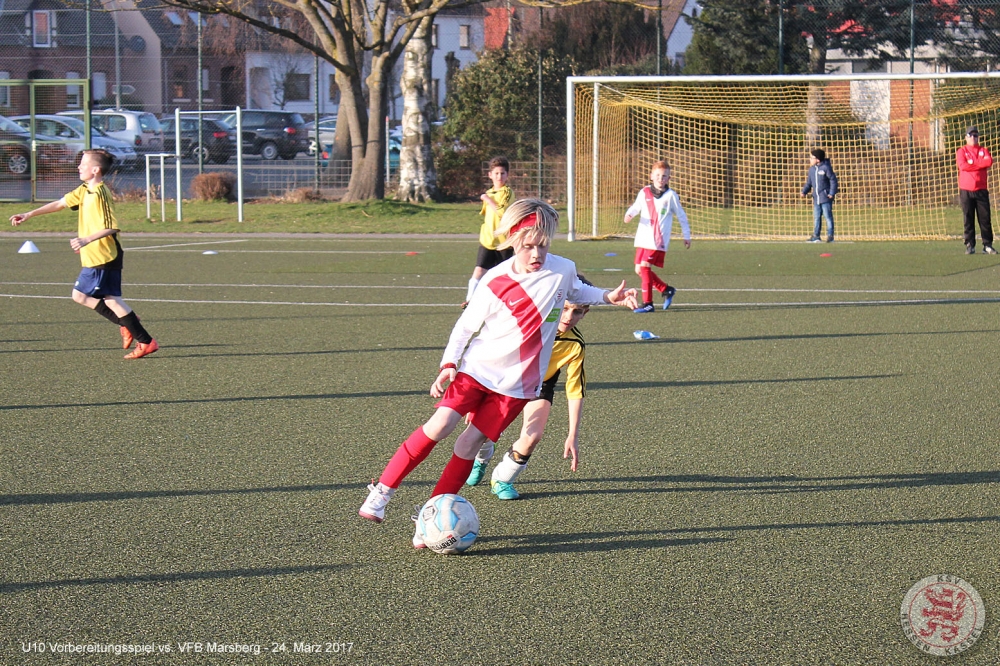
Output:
(495, 202)
(567, 352)
(99, 286)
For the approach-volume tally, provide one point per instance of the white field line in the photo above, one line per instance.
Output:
(249, 286)
(686, 306)
(157, 247)
(275, 251)
(393, 286)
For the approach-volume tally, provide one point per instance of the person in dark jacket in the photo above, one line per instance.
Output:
(822, 181)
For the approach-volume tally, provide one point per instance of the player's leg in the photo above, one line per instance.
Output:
(410, 453)
(985, 220)
(131, 328)
(487, 421)
(480, 464)
(827, 209)
(536, 415)
(817, 223)
(642, 268)
(968, 203)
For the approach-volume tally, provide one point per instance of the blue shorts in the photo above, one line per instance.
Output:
(99, 282)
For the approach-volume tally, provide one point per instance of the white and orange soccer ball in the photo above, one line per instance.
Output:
(448, 524)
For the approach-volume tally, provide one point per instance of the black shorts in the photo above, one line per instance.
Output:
(487, 258)
(548, 391)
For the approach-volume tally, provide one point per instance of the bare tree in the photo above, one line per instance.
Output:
(355, 36)
(417, 177)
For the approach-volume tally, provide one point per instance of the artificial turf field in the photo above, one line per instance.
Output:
(808, 438)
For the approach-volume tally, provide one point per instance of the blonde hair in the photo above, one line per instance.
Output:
(543, 230)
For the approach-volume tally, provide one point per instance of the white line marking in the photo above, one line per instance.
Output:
(153, 249)
(690, 306)
(157, 247)
(249, 286)
(394, 286)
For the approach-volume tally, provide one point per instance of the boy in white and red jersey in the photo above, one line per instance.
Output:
(656, 207)
(493, 375)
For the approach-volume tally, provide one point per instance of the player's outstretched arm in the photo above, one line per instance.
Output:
(572, 447)
(50, 207)
(622, 296)
(445, 377)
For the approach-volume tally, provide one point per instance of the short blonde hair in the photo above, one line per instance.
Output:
(543, 230)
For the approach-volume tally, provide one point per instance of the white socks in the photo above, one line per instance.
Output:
(473, 283)
(485, 453)
(508, 470)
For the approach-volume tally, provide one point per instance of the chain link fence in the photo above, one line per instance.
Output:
(510, 101)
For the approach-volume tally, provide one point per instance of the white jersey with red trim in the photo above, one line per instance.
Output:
(517, 318)
(667, 206)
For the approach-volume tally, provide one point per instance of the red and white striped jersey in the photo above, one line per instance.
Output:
(667, 205)
(517, 318)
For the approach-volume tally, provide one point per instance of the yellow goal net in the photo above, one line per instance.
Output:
(739, 150)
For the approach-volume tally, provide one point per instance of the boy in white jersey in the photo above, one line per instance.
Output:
(492, 376)
(656, 207)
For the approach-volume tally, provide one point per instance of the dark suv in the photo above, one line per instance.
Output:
(218, 140)
(271, 134)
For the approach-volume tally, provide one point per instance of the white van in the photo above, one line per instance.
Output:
(137, 128)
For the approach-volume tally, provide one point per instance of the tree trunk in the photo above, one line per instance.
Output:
(417, 177)
(342, 136)
(368, 159)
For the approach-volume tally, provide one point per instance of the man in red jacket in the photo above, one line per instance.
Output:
(973, 162)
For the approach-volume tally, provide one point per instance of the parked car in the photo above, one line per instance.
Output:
(327, 130)
(394, 147)
(271, 134)
(71, 131)
(139, 129)
(15, 150)
(218, 140)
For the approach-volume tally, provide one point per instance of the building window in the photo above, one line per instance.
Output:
(174, 18)
(334, 89)
(73, 92)
(297, 87)
(4, 90)
(463, 37)
(179, 83)
(41, 28)
(434, 36)
(99, 83)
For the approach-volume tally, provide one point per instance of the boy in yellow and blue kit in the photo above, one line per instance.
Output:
(99, 285)
(495, 201)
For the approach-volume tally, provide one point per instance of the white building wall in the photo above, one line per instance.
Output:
(263, 70)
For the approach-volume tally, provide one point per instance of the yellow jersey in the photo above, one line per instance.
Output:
(95, 214)
(567, 352)
(502, 199)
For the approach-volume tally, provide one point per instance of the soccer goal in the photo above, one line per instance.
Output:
(739, 148)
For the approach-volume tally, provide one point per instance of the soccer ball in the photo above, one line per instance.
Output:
(448, 524)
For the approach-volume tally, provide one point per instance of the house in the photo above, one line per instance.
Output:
(142, 55)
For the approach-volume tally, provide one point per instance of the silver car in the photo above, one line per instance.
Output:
(71, 131)
(139, 129)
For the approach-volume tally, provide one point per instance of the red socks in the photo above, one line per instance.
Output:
(650, 281)
(454, 475)
(410, 453)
